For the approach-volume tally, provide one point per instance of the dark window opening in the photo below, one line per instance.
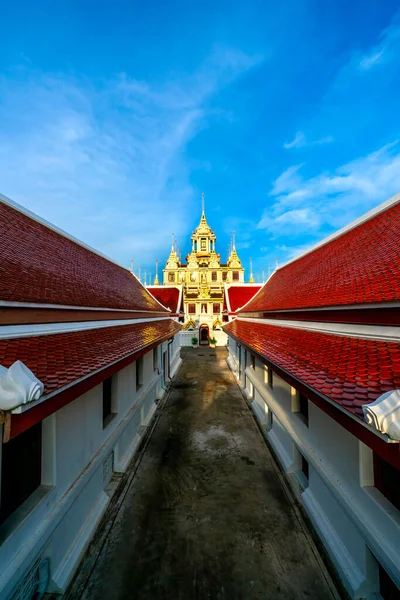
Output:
(139, 373)
(216, 308)
(387, 588)
(235, 275)
(204, 308)
(252, 361)
(21, 470)
(304, 467)
(304, 408)
(214, 276)
(192, 309)
(224, 276)
(387, 480)
(171, 277)
(270, 377)
(155, 359)
(107, 401)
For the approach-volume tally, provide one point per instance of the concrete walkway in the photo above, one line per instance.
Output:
(206, 516)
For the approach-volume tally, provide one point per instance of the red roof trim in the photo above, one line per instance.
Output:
(39, 265)
(349, 371)
(69, 392)
(390, 452)
(238, 296)
(168, 296)
(358, 267)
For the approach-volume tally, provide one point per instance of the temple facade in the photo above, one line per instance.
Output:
(203, 279)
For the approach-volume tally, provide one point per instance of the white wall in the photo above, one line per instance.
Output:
(185, 337)
(357, 525)
(80, 457)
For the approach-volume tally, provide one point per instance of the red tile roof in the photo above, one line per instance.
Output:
(167, 296)
(350, 371)
(360, 266)
(239, 295)
(40, 265)
(60, 359)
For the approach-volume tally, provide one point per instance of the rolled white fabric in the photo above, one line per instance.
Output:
(384, 414)
(18, 385)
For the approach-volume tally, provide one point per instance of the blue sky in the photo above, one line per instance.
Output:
(116, 116)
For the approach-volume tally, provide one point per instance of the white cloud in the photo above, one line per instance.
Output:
(290, 222)
(370, 60)
(300, 141)
(108, 163)
(332, 199)
(384, 50)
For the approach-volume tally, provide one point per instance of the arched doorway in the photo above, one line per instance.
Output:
(204, 334)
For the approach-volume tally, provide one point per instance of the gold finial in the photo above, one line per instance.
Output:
(202, 203)
(156, 277)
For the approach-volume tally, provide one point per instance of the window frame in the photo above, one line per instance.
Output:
(155, 358)
(139, 373)
(32, 479)
(385, 479)
(235, 275)
(108, 400)
(191, 305)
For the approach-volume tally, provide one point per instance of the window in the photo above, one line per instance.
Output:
(387, 588)
(268, 376)
(303, 408)
(214, 276)
(387, 480)
(139, 373)
(21, 469)
(203, 245)
(192, 276)
(252, 361)
(108, 413)
(216, 308)
(204, 308)
(155, 359)
(171, 277)
(224, 276)
(192, 309)
(235, 276)
(304, 467)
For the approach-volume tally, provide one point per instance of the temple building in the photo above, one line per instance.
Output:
(203, 283)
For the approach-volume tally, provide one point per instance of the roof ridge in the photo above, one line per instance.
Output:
(25, 211)
(350, 226)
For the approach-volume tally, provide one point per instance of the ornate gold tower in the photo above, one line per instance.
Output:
(203, 276)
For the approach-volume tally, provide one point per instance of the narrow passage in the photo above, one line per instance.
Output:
(206, 516)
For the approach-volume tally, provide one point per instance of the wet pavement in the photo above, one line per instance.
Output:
(206, 515)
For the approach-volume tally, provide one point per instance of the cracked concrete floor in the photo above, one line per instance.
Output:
(206, 515)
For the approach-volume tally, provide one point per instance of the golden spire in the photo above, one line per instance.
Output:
(203, 226)
(251, 271)
(156, 277)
